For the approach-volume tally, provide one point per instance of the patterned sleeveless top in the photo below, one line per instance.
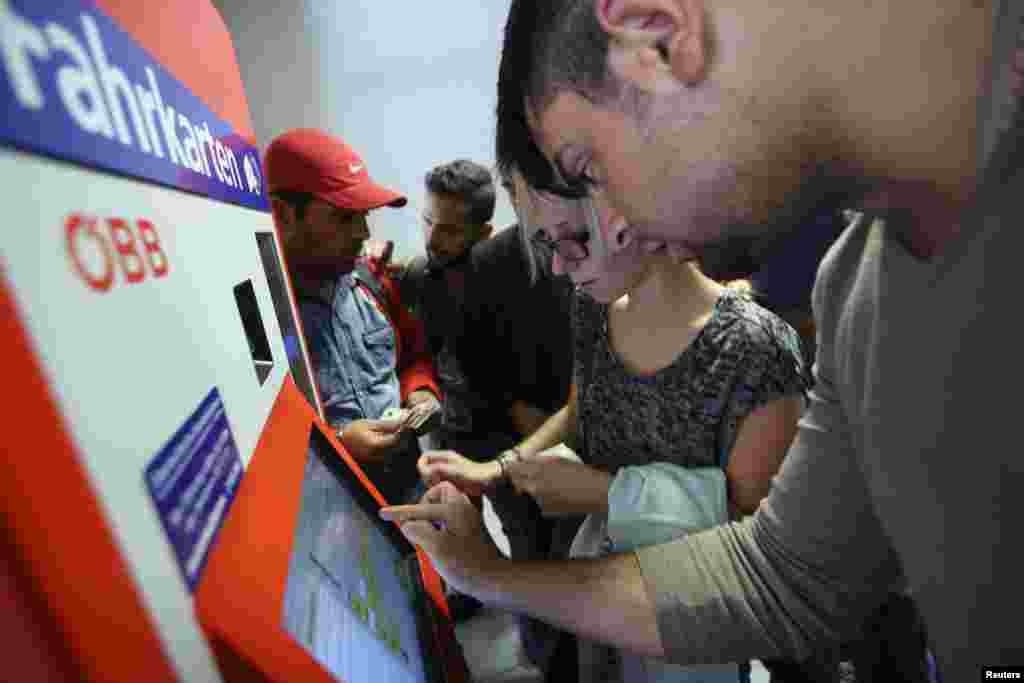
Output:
(689, 412)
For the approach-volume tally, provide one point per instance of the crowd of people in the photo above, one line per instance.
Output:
(680, 491)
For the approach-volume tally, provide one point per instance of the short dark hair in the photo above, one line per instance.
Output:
(468, 182)
(549, 46)
(299, 201)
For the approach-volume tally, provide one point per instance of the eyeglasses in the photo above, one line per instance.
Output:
(572, 249)
(581, 214)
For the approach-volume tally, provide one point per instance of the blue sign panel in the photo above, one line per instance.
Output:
(74, 86)
(193, 480)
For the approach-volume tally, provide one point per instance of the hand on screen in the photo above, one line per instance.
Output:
(472, 478)
(450, 530)
(372, 441)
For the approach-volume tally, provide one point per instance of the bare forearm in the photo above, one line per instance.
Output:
(527, 418)
(603, 599)
(559, 428)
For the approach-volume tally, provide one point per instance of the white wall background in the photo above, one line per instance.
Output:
(410, 85)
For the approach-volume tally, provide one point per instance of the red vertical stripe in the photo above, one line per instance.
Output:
(58, 532)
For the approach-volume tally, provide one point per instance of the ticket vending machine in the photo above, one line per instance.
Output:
(172, 506)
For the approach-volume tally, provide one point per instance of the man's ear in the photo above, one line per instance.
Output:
(651, 38)
(283, 212)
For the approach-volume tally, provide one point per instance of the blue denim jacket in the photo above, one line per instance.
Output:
(352, 347)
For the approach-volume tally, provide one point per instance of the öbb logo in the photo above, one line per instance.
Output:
(96, 254)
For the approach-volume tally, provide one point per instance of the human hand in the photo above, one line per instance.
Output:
(371, 441)
(422, 405)
(450, 530)
(472, 478)
(559, 485)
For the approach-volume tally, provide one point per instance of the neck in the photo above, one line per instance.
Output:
(890, 132)
(925, 217)
(911, 113)
(672, 290)
(312, 275)
(928, 211)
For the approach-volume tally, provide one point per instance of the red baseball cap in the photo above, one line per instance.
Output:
(309, 160)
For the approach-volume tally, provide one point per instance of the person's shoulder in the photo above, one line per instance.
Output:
(842, 265)
(407, 275)
(761, 341)
(586, 311)
(500, 264)
(746, 323)
(498, 249)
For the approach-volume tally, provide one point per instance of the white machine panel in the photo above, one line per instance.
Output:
(131, 363)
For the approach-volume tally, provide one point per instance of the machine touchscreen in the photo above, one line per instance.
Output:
(353, 597)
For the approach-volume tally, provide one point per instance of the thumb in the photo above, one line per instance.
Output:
(431, 474)
(433, 458)
(444, 494)
(386, 426)
(445, 472)
(388, 440)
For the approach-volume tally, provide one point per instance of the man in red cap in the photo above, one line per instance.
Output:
(369, 354)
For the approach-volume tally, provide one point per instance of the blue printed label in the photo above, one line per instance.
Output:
(77, 87)
(193, 480)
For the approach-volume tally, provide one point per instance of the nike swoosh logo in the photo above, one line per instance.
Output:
(355, 168)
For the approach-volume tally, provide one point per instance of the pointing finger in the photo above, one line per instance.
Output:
(423, 534)
(424, 512)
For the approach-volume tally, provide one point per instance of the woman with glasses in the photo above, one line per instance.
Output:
(670, 367)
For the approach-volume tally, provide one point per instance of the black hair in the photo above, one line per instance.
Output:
(299, 201)
(549, 46)
(468, 182)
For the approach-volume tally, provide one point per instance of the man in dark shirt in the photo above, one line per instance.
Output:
(501, 339)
